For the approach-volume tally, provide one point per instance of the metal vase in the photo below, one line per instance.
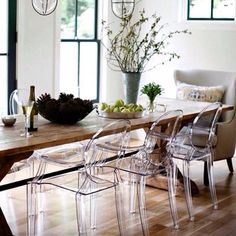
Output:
(131, 82)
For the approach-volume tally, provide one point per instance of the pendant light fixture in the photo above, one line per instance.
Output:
(122, 8)
(44, 7)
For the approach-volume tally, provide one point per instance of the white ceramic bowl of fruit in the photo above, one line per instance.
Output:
(120, 110)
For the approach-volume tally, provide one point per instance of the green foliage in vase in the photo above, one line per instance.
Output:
(152, 90)
(136, 42)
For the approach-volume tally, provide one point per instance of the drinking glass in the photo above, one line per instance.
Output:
(21, 96)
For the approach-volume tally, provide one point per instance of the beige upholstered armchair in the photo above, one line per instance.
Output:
(226, 129)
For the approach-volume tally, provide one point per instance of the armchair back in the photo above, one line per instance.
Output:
(212, 78)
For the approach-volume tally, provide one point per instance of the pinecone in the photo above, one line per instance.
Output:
(65, 110)
(63, 97)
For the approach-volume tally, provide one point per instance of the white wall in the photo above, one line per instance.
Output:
(210, 46)
(36, 49)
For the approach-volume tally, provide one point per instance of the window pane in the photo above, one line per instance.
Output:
(200, 9)
(68, 11)
(88, 70)
(86, 14)
(224, 9)
(3, 26)
(69, 68)
(3, 79)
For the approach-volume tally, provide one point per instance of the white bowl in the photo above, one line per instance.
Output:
(8, 120)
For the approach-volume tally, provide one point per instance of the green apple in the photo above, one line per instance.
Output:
(119, 103)
(108, 109)
(103, 106)
(130, 105)
(125, 110)
(116, 109)
(112, 107)
(138, 109)
(140, 106)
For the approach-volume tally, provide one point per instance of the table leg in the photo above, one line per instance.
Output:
(5, 166)
(4, 227)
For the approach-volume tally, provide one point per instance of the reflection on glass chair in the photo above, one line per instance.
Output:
(109, 143)
(195, 143)
(143, 164)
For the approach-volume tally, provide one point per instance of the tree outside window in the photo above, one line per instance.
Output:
(211, 9)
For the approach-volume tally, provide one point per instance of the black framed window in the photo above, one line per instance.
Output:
(7, 51)
(80, 49)
(211, 10)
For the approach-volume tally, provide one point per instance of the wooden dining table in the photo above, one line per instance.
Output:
(14, 148)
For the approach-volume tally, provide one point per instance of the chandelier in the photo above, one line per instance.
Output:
(122, 8)
(44, 7)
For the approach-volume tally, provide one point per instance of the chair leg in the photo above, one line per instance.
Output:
(120, 211)
(205, 175)
(171, 174)
(93, 212)
(230, 165)
(212, 183)
(187, 190)
(141, 204)
(81, 214)
(31, 208)
(133, 193)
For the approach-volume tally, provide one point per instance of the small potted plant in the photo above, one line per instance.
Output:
(151, 90)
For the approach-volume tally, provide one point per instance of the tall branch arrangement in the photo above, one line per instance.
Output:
(130, 49)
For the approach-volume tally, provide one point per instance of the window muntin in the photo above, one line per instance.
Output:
(211, 9)
(80, 49)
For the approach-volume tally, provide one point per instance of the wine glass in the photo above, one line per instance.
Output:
(21, 96)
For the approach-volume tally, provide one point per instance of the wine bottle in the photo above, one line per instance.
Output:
(33, 121)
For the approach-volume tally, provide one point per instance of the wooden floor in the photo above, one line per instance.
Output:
(59, 217)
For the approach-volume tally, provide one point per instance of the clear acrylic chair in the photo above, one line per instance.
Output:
(144, 164)
(195, 143)
(108, 144)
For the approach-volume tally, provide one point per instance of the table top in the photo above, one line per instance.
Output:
(51, 134)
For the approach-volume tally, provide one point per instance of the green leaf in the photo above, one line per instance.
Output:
(152, 90)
